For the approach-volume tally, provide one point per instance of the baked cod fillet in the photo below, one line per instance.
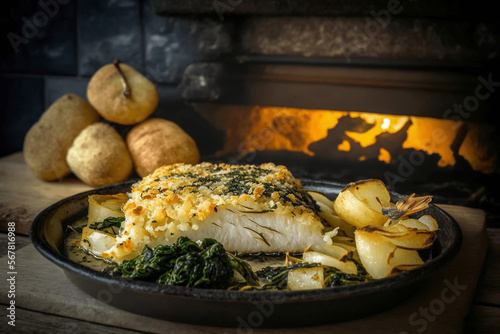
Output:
(247, 208)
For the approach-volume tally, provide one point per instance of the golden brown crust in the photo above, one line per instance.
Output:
(185, 191)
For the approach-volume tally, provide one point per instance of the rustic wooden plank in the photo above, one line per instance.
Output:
(35, 322)
(43, 287)
(20, 242)
(23, 196)
(488, 289)
(483, 319)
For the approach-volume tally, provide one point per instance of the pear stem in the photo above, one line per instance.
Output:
(126, 90)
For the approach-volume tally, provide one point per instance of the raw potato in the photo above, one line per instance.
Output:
(99, 156)
(157, 142)
(106, 91)
(47, 142)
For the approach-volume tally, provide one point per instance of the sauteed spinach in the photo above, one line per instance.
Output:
(186, 263)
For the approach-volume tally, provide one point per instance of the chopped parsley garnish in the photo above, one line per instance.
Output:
(236, 181)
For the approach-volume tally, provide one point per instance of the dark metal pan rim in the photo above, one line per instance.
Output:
(335, 293)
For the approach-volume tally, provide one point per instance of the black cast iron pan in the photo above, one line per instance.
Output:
(239, 309)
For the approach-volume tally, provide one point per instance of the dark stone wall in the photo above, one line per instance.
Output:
(52, 47)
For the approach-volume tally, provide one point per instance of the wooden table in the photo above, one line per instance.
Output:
(464, 296)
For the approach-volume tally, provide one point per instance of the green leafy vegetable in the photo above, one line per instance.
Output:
(336, 277)
(208, 265)
(188, 264)
(244, 269)
(107, 223)
(277, 277)
(207, 268)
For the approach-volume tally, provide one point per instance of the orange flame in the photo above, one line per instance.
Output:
(257, 128)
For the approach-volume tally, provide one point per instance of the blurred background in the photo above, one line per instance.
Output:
(404, 91)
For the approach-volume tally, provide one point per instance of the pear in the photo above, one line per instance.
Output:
(121, 94)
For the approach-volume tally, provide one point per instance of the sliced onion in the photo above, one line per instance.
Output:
(390, 222)
(345, 246)
(335, 221)
(393, 230)
(415, 239)
(105, 206)
(96, 241)
(414, 223)
(326, 209)
(405, 257)
(360, 203)
(426, 223)
(406, 233)
(328, 214)
(336, 251)
(374, 253)
(306, 278)
(348, 267)
(398, 269)
(430, 222)
(321, 198)
(381, 254)
(343, 240)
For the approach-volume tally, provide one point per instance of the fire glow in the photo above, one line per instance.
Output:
(349, 135)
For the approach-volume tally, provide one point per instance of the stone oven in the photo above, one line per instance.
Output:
(404, 91)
